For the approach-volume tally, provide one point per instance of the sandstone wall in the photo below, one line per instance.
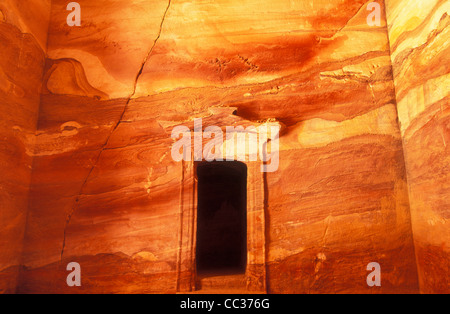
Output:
(419, 32)
(106, 193)
(23, 37)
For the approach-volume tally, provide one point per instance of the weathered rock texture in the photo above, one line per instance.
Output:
(106, 193)
(23, 33)
(419, 36)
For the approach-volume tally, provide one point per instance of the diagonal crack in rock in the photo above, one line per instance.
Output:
(69, 217)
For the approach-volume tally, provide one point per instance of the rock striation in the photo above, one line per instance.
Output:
(363, 146)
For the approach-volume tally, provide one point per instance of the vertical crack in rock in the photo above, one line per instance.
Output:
(141, 69)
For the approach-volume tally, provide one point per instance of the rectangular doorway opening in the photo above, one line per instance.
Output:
(221, 218)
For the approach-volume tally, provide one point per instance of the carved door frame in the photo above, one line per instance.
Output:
(256, 229)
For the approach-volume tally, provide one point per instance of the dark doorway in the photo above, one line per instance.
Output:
(222, 218)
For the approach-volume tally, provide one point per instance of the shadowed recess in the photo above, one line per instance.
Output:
(221, 224)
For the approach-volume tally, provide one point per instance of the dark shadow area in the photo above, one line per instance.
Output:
(222, 218)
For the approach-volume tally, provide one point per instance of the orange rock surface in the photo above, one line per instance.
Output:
(86, 142)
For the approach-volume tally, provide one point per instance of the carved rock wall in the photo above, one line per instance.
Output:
(106, 192)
